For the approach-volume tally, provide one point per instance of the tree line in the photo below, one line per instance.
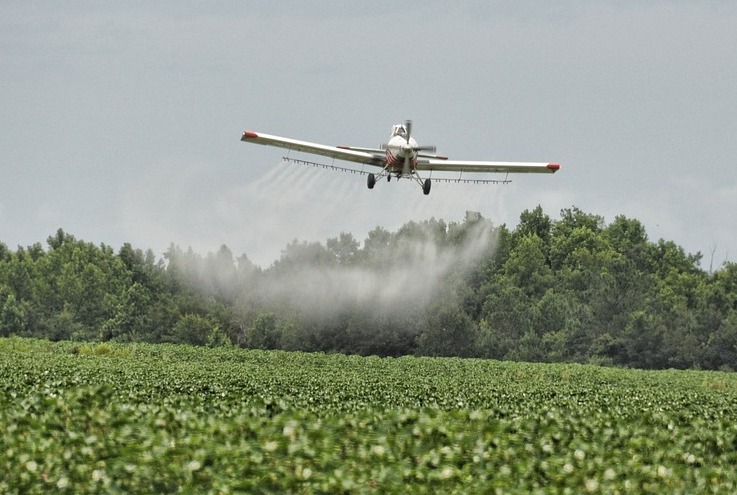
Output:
(572, 289)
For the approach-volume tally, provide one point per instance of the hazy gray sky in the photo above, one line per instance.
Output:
(120, 121)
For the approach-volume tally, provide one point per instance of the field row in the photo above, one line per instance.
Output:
(164, 419)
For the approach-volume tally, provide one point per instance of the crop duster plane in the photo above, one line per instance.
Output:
(400, 157)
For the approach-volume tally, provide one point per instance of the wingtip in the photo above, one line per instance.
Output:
(249, 135)
(553, 167)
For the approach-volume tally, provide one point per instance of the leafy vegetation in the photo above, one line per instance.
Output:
(573, 289)
(143, 418)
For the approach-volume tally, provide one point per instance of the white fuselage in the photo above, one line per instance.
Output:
(397, 149)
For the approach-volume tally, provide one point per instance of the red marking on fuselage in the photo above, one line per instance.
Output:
(396, 163)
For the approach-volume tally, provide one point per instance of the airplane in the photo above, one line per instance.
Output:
(400, 157)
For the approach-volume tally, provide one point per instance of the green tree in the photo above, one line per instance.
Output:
(263, 333)
(530, 348)
(669, 259)
(142, 267)
(13, 317)
(130, 319)
(344, 248)
(81, 278)
(575, 230)
(22, 278)
(552, 311)
(300, 255)
(448, 332)
(63, 326)
(644, 341)
(527, 268)
(221, 274)
(376, 247)
(722, 290)
(5, 254)
(720, 350)
(218, 338)
(536, 223)
(629, 238)
(192, 329)
(506, 316)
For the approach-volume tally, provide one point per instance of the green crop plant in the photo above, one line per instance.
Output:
(176, 419)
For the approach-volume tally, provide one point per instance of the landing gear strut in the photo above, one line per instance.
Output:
(372, 178)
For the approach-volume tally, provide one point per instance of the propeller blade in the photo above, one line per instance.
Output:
(408, 125)
(405, 169)
(431, 149)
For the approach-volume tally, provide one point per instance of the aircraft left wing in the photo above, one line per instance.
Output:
(476, 166)
(362, 155)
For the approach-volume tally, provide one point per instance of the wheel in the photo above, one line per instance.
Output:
(426, 187)
(371, 181)
(389, 178)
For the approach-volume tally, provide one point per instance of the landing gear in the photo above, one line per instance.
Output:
(372, 179)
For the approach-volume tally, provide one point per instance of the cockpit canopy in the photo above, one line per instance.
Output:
(399, 130)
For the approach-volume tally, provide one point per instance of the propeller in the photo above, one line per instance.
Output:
(408, 126)
(410, 150)
(407, 153)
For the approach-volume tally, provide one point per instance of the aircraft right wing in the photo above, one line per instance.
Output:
(476, 166)
(358, 155)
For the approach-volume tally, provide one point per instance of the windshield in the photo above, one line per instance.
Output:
(399, 130)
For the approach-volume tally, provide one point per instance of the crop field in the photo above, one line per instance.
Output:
(114, 418)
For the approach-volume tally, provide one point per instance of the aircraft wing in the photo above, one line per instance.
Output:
(475, 166)
(358, 155)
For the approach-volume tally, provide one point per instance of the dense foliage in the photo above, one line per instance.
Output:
(143, 418)
(573, 289)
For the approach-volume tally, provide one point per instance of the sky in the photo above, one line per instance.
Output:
(121, 121)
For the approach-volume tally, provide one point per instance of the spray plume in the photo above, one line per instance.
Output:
(392, 272)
